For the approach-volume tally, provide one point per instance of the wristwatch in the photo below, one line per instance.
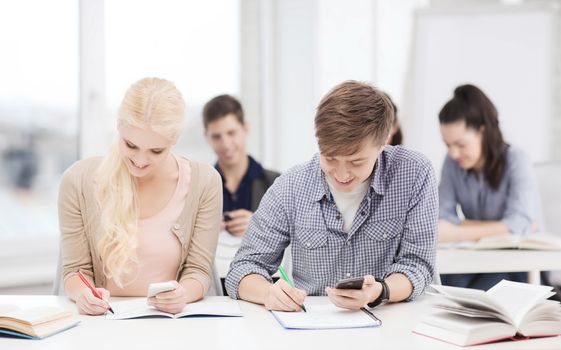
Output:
(384, 295)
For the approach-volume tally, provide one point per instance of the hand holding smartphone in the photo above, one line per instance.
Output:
(156, 288)
(350, 283)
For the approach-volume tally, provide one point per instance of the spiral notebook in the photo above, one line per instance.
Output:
(327, 317)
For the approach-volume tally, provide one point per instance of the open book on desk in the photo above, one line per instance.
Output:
(509, 310)
(326, 316)
(138, 308)
(36, 322)
(538, 241)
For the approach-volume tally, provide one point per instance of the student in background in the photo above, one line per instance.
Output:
(396, 135)
(356, 209)
(244, 180)
(141, 214)
(492, 182)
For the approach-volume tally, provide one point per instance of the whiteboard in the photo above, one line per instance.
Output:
(509, 51)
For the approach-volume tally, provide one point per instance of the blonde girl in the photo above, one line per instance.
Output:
(141, 214)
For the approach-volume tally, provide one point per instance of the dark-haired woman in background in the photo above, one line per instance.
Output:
(492, 182)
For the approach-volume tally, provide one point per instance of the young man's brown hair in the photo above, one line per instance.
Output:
(349, 114)
(221, 106)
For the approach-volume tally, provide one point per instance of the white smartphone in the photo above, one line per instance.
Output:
(155, 288)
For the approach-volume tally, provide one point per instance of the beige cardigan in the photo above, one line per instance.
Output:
(197, 227)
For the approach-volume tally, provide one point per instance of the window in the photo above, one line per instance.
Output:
(38, 112)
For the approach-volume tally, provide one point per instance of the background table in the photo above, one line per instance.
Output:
(481, 261)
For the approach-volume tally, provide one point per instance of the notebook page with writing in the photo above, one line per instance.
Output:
(325, 317)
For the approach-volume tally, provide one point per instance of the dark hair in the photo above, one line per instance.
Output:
(471, 105)
(397, 137)
(221, 106)
(349, 114)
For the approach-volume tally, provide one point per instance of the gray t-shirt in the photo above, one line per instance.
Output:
(516, 202)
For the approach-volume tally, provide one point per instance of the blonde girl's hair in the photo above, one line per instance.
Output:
(154, 103)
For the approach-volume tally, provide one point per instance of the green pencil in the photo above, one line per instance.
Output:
(287, 279)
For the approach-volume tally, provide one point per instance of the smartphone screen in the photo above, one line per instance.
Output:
(350, 283)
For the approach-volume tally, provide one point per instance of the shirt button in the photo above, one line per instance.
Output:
(348, 274)
(338, 217)
(348, 242)
(176, 226)
(385, 235)
(308, 244)
(362, 213)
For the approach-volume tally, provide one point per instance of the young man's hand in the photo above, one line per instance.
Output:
(240, 220)
(284, 297)
(354, 299)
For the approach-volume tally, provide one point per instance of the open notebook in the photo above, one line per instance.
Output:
(326, 317)
(137, 308)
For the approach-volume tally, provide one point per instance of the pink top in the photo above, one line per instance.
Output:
(159, 250)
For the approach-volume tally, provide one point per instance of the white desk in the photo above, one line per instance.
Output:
(481, 261)
(256, 330)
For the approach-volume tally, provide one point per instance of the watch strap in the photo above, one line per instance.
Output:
(384, 294)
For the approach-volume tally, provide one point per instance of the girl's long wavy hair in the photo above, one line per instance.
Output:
(154, 103)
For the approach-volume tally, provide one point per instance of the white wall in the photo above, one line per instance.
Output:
(312, 45)
(506, 50)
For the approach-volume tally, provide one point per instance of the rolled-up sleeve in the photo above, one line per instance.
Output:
(521, 196)
(265, 240)
(416, 256)
(447, 193)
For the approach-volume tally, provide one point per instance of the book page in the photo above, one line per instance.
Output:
(471, 298)
(325, 317)
(463, 331)
(34, 315)
(7, 309)
(498, 242)
(212, 307)
(457, 245)
(207, 307)
(518, 298)
(133, 309)
(541, 241)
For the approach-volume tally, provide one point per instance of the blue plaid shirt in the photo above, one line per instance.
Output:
(394, 230)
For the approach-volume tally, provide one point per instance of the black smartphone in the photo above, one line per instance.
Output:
(350, 283)
(227, 217)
